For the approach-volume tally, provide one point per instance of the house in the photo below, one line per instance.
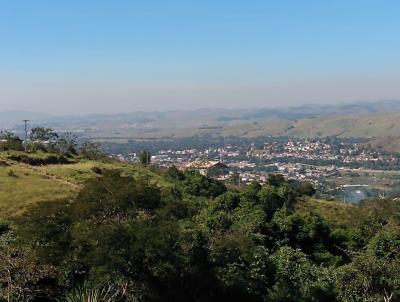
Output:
(209, 168)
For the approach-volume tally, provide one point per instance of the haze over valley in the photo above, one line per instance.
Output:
(378, 122)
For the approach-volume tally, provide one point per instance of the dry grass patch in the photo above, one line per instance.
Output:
(21, 187)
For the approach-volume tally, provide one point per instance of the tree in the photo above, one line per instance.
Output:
(368, 278)
(184, 237)
(21, 279)
(10, 141)
(375, 273)
(41, 135)
(145, 157)
(226, 202)
(386, 243)
(43, 139)
(91, 151)
(270, 200)
(298, 279)
(200, 185)
(302, 188)
(67, 143)
(175, 173)
(275, 180)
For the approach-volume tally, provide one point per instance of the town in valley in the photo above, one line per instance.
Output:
(340, 169)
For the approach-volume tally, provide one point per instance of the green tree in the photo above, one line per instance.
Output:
(175, 173)
(302, 188)
(226, 202)
(275, 180)
(298, 279)
(43, 139)
(386, 243)
(42, 134)
(145, 157)
(185, 237)
(200, 185)
(10, 141)
(270, 200)
(368, 278)
(91, 151)
(127, 231)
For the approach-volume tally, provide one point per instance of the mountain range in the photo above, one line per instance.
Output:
(377, 121)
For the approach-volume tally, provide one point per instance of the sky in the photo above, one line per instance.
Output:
(98, 56)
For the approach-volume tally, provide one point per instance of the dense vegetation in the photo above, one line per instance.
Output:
(184, 237)
(130, 232)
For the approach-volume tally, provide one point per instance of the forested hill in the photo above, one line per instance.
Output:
(131, 232)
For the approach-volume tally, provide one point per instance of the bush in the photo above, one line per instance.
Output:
(93, 293)
(199, 185)
(35, 160)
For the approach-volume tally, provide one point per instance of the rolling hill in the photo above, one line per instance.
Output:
(379, 122)
(23, 185)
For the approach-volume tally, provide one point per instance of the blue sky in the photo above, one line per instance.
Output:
(115, 56)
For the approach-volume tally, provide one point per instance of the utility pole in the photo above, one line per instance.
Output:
(223, 152)
(26, 134)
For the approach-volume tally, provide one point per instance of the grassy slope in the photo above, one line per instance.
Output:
(28, 187)
(366, 125)
(33, 184)
(78, 173)
(381, 128)
(349, 125)
(335, 213)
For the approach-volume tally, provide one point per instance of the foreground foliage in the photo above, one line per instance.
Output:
(125, 238)
(92, 293)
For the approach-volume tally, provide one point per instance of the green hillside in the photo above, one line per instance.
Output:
(353, 125)
(23, 185)
(380, 128)
(347, 125)
(130, 232)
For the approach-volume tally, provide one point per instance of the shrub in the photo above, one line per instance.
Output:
(93, 293)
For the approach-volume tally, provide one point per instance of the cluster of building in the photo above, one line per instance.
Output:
(311, 160)
(315, 150)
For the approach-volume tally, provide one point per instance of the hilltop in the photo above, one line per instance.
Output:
(23, 185)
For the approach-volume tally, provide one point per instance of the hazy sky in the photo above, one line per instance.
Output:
(81, 56)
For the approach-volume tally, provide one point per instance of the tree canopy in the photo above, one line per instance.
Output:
(193, 239)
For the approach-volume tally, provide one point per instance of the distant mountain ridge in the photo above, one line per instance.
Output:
(11, 118)
(372, 120)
